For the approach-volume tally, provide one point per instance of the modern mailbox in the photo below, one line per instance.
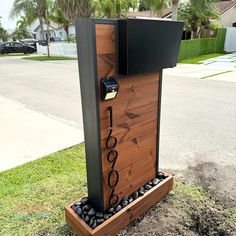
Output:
(147, 45)
(120, 64)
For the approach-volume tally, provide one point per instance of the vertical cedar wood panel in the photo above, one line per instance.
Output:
(135, 114)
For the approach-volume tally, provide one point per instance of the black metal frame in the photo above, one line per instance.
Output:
(158, 121)
(85, 32)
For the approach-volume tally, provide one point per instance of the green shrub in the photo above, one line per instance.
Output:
(197, 47)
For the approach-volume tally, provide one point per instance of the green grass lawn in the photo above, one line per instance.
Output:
(33, 196)
(197, 60)
(46, 58)
(13, 54)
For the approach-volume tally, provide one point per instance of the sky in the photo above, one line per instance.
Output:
(5, 7)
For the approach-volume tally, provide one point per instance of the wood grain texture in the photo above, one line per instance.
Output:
(135, 114)
(124, 217)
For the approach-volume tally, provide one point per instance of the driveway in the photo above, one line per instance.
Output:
(197, 124)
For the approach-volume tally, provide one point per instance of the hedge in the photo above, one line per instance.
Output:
(197, 47)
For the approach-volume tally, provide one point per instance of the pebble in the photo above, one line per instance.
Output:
(125, 198)
(94, 224)
(86, 208)
(83, 216)
(99, 221)
(106, 216)
(91, 212)
(84, 200)
(77, 204)
(87, 218)
(135, 195)
(118, 208)
(150, 183)
(99, 215)
(147, 186)
(155, 181)
(160, 175)
(79, 211)
(131, 199)
(111, 210)
(74, 207)
(124, 203)
(91, 222)
(141, 191)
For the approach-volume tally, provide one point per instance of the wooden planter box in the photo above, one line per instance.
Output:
(124, 217)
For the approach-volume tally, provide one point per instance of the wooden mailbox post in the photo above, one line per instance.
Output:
(120, 64)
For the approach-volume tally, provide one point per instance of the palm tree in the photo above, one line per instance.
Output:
(133, 4)
(112, 8)
(22, 22)
(205, 11)
(175, 4)
(32, 9)
(197, 14)
(3, 34)
(157, 7)
(58, 17)
(74, 9)
(144, 5)
(21, 31)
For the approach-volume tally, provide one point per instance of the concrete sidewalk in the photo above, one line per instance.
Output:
(27, 135)
(219, 68)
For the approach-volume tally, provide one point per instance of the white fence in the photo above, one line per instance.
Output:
(59, 49)
(230, 40)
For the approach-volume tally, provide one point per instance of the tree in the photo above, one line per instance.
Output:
(133, 4)
(74, 9)
(21, 31)
(32, 9)
(205, 10)
(144, 5)
(112, 8)
(58, 17)
(175, 4)
(197, 14)
(3, 34)
(157, 6)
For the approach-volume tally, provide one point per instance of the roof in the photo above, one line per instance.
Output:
(44, 27)
(165, 12)
(225, 6)
(222, 7)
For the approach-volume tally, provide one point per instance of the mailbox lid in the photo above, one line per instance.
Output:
(147, 45)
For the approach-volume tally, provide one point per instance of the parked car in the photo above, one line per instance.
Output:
(29, 42)
(55, 39)
(16, 47)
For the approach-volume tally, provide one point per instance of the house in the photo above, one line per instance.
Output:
(226, 9)
(56, 31)
(37, 31)
(61, 33)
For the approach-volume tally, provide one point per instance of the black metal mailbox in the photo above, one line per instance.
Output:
(147, 45)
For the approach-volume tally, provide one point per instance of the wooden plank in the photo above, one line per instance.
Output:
(124, 217)
(135, 112)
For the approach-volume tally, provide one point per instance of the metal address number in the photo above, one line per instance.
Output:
(113, 175)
